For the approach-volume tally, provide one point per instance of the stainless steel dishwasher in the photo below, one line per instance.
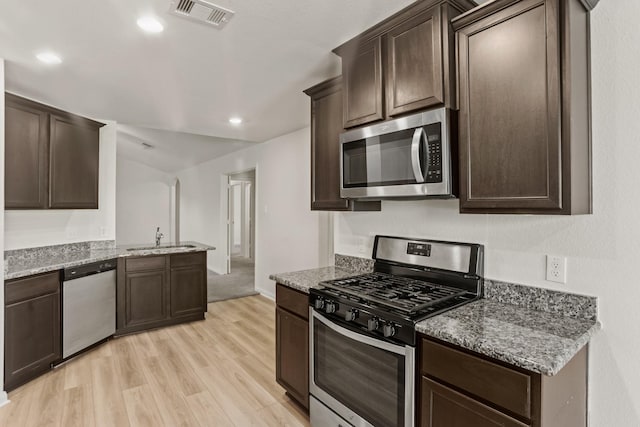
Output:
(88, 305)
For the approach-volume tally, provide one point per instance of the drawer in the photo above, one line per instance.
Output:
(146, 263)
(294, 301)
(495, 383)
(31, 287)
(191, 258)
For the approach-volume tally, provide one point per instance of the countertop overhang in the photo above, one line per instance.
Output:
(37, 261)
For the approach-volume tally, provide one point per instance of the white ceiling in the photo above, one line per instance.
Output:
(190, 78)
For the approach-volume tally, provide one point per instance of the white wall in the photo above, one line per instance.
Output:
(143, 202)
(51, 227)
(288, 235)
(602, 249)
(3, 395)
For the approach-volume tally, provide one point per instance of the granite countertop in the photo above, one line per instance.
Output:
(538, 341)
(541, 340)
(306, 279)
(26, 262)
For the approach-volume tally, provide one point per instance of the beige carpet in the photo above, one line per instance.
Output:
(239, 283)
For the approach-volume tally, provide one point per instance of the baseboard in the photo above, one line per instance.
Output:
(4, 398)
(265, 294)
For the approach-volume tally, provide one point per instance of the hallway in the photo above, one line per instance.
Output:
(239, 283)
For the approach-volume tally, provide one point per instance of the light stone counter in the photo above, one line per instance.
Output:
(26, 262)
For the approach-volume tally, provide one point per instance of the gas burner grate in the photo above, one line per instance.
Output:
(401, 293)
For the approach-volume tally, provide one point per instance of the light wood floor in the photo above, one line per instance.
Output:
(217, 372)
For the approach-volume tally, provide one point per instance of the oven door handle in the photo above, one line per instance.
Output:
(418, 137)
(373, 342)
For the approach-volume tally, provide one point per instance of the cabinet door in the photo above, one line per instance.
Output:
(74, 152)
(32, 331)
(443, 407)
(509, 81)
(414, 64)
(326, 126)
(26, 155)
(188, 291)
(362, 76)
(146, 298)
(292, 355)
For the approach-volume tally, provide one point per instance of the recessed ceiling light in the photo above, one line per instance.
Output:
(150, 24)
(49, 58)
(235, 120)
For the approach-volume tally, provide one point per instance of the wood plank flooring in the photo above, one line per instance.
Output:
(216, 372)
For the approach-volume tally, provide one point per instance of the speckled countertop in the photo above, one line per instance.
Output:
(25, 262)
(306, 279)
(535, 340)
(541, 340)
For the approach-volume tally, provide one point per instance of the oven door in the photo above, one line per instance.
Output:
(365, 380)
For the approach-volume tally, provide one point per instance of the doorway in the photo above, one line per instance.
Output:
(239, 279)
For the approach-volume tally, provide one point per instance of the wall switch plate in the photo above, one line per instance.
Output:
(556, 268)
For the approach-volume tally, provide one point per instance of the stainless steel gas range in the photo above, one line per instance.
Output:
(362, 329)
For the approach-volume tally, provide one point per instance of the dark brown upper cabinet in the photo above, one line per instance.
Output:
(524, 88)
(326, 126)
(73, 173)
(362, 73)
(26, 155)
(51, 157)
(403, 64)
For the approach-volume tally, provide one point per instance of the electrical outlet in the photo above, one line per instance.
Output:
(557, 268)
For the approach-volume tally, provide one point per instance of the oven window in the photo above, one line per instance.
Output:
(366, 379)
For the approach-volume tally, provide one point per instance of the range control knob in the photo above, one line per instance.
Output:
(319, 304)
(388, 330)
(372, 324)
(330, 307)
(351, 315)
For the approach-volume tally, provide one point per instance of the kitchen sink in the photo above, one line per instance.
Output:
(148, 248)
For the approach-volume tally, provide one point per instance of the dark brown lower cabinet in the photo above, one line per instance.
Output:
(32, 327)
(442, 406)
(188, 284)
(160, 290)
(292, 343)
(458, 388)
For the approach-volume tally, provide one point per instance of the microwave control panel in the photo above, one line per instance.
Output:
(433, 134)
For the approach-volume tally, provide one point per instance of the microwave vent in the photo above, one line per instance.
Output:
(202, 12)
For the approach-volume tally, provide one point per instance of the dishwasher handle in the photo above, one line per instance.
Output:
(85, 270)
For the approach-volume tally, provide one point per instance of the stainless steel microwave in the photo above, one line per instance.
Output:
(409, 157)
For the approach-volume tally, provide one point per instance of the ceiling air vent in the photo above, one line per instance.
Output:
(202, 12)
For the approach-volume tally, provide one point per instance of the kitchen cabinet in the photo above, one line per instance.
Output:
(160, 290)
(459, 388)
(74, 156)
(524, 120)
(326, 126)
(51, 157)
(292, 343)
(32, 327)
(403, 64)
(188, 284)
(26, 155)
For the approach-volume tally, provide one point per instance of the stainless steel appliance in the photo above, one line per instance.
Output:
(88, 305)
(409, 157)
(362, 328)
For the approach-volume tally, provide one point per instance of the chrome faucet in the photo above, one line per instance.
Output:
(159, 236)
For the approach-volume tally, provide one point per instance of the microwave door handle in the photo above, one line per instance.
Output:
(418, 136)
